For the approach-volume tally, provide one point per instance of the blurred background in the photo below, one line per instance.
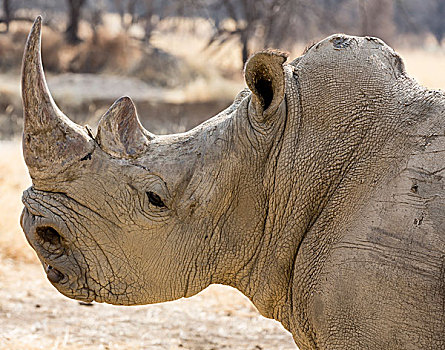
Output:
(181, 62)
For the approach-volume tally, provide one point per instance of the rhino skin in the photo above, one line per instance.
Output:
(319, 194)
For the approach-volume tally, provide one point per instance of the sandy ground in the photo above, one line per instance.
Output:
(33, 315)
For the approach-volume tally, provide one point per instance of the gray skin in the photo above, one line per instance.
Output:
(319, 194)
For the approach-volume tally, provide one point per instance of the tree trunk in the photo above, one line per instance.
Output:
(119, 6)
(244, 43)
(363, 17)
(74, 8)
(251, 14)
(8, 13)
(148, 20)
(438, 22)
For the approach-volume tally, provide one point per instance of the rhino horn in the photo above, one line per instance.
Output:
(51, 141)
(120, 132)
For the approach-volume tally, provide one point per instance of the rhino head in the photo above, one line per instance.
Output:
(128, 217)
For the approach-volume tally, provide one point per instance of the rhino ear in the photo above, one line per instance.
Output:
(264, 75)
(120, 132)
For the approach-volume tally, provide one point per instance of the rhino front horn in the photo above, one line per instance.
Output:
(51, 142)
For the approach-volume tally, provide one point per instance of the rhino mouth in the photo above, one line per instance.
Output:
(59, 260)
(53, 231)
(45, 238)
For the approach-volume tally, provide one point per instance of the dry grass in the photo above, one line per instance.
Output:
(189, 41)
(218, 69)
(13, 180)
(105, 52)
(177, 57)
(12, 45)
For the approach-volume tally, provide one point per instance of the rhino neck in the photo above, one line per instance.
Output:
(264, 277)
(316, 177)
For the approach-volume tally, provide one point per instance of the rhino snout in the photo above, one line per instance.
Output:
(46, 239)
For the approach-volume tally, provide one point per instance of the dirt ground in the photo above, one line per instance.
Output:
(33, 315)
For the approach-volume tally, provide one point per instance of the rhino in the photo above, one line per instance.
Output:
(319, 194)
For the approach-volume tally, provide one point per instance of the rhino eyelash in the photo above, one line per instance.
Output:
(154, 199)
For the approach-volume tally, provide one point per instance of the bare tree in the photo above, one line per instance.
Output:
(138, 11)
(8, 13)
(154, 11)
(377, 18)
(437, 24)
(149, 19)
(124, 8)
(74, 16)
(246, 15)
(270, 22)
(9, 9)
(148, 13)
(95, 18)
(421, 16)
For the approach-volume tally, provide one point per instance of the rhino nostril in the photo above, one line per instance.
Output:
(53, 274)
(49, 235)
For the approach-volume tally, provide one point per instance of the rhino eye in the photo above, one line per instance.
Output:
(155, 200)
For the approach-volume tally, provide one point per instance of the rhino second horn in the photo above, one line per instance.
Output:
(120, 132)
(51, 141)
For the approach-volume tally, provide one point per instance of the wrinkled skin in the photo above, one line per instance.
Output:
(319, 194)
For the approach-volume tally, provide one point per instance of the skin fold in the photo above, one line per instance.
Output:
(318, 193)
